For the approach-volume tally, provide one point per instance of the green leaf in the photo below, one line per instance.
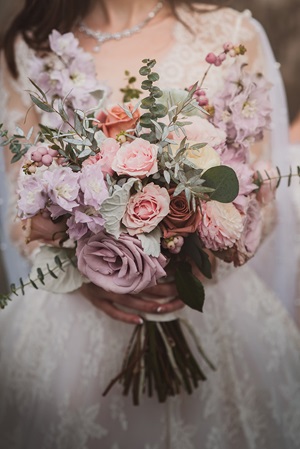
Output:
(44, 106)
(39, 89)
(146, 85)
(224, 180)
(192, 247)
(159, 110)
(153, 76)
(144, 71)
(40, 275)
(33, 284)
(147, 102)
(190, 289)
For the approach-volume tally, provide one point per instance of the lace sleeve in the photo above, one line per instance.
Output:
(15, 110)
(276, 259)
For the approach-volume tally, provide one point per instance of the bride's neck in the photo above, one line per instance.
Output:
(117, 15)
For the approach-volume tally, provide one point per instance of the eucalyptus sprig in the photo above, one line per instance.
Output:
(59, 265)
(155, 109)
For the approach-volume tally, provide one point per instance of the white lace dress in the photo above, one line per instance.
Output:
(58, 353)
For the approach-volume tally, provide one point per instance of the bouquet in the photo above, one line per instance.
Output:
(128, 192)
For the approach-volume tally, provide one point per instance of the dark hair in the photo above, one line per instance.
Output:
(39, 17)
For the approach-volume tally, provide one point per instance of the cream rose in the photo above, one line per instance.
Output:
(137, 159)
(203, 158)
(146, 209)
(201, 130)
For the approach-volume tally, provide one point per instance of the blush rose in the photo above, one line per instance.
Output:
(137, 159)
(146, 209)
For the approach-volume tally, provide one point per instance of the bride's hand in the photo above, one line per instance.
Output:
(108, 302)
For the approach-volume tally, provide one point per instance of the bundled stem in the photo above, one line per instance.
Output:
(159, 359)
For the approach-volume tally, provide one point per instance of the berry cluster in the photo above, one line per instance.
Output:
(41, 155)
(173, 244)
(200, 97)
(229, 49)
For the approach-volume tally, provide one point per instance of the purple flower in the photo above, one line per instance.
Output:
(92, 185)
(119, 266)
(62, 44)
(245, 175)
(63, 187)
(32, 195)
(242, 108)
(84, 220)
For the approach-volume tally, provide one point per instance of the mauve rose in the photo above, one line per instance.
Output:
(221, 225)
(118, 266)
(137, 159)
(146, 209)
(181, 219)
(267, 190)
(116, 120)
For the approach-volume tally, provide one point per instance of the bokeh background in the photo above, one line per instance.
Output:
(281, 20)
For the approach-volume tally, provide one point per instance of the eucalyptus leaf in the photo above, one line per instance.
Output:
(44, 106)
(67, 280)
(224, 182)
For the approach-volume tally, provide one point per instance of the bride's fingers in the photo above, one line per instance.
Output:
(171, 306)
(137, 303)
(115, 313)
(161, 290)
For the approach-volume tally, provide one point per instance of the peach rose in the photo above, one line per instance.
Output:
(137, 158)
(201, 130)
(221, 226)
(116, 120)
(146, 209)
(181, 219)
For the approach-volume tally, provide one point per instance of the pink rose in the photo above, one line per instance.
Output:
(137, 159)
(201, 130)
(146, 209)
(221, 226)
(118, 266)
(116, 120)
(267, 190)
(247, 245)
(109, 149)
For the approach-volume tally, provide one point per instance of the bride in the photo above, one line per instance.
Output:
(58, 352)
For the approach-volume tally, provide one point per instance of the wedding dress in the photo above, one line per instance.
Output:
(58, 352)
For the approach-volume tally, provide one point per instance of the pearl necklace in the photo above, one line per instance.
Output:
(101, 38)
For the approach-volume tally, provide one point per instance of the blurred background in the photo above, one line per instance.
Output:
(281, 20)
